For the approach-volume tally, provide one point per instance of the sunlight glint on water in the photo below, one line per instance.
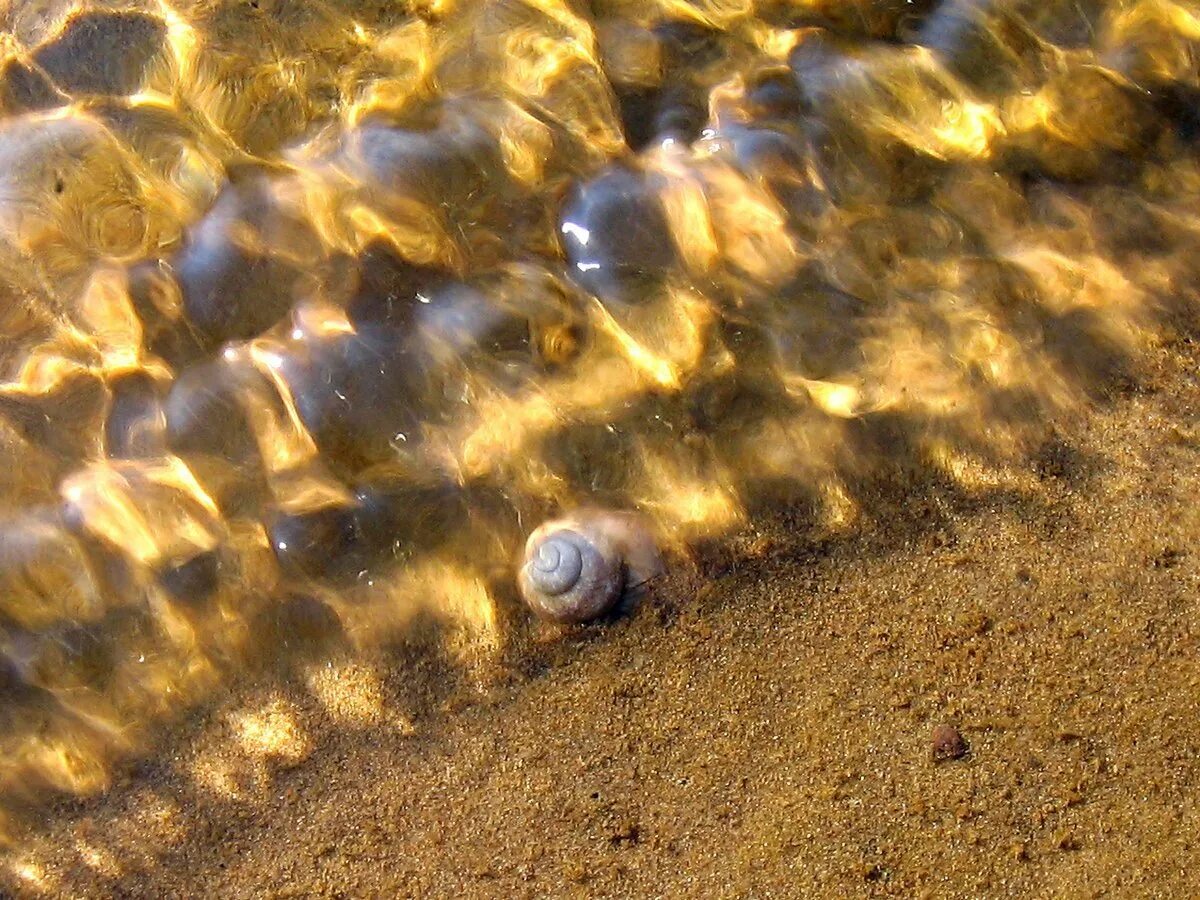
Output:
(312, 310)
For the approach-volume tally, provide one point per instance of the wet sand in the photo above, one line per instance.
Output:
(761, 728)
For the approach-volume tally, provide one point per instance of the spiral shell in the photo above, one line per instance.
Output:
(577, 569)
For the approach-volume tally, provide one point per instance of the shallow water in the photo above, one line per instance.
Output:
(313, 311)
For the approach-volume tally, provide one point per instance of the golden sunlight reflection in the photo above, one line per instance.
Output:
(272, 732)
(101, 859)
(349, 692)
(33, 876)
(310, 312)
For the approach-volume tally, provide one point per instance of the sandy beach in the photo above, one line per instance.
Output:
(878, 319)
(760, 728)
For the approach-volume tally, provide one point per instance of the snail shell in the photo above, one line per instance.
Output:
(578, 568)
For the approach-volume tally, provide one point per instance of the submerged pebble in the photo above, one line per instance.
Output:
(232, 272)
(103, 52)
(616, 238)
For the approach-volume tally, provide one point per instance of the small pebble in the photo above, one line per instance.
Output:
(948, 743)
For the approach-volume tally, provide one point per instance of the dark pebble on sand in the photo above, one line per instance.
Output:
(948, 743)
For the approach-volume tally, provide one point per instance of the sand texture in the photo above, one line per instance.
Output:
(760, 728)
